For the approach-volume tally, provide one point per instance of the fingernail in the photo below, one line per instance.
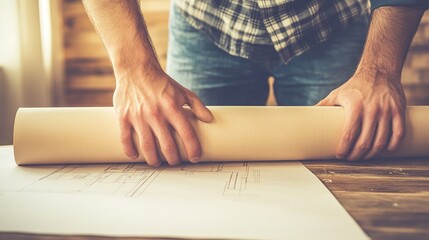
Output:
(175, 163)
(391, 149)
(195, 160)
(339, 156)
(134, 156)
(157, 164)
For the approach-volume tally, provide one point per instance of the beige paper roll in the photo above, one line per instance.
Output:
(91, 135)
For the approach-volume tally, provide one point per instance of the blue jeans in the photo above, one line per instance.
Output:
(219, 78)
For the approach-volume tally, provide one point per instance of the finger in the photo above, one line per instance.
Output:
(187, 134)
(198, 108)
(327, 101)
(398, 131)
(166, 142)
(147, 144)
(364, 141)
(127, 140)
(352, 126)
(381, 137)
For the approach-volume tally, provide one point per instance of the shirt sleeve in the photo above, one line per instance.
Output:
(380, 3)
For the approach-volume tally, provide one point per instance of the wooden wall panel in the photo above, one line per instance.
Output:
(415, 74)
(89, 79)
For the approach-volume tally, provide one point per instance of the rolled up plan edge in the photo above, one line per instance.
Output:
(91, 135)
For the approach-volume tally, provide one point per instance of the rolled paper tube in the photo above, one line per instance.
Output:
(91, 135)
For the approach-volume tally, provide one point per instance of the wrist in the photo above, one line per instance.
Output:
(127, 58)
(374, 73)
(125, 63)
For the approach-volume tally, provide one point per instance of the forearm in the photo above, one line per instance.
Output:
(389, 36)
(122, 28)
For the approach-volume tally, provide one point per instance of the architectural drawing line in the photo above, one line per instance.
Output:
(133, 180)
(143, 183)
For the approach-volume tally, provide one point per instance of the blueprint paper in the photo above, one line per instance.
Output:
(253, 200)
(91, 135)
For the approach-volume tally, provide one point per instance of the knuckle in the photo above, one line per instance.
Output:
(348, 137)
(363, 146)
(384, 114)
(138, 111)
(122, 117)
(169, 149)
(373, 112)
(169, 104)
(380, 145)
(192, 95)
(396, 111)
(399, 134)
(152, 112)
(358, 106)
(147, 146)
(188, 134)
(124, 136)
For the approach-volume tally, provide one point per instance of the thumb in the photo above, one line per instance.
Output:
(198, 108)
(324, 102)
(327, 101)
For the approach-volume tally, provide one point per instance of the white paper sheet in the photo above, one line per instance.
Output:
(269, 200)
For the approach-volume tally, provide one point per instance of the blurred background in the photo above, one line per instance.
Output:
(50, 55)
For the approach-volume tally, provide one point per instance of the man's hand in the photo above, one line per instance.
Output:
(150, 103)
(375, 115)
(373, 98)
(146, 99)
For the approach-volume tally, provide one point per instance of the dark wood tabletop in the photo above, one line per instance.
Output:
(389, 198)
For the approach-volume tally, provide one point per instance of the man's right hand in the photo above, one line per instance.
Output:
(149, 102)
(146, 99)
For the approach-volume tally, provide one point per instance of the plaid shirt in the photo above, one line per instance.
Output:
(292, 26)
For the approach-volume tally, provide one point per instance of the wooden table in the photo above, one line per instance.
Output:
(388, 198)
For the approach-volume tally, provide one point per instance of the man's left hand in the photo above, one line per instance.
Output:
(375, 115)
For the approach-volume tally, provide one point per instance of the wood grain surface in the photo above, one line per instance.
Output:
(388, 198)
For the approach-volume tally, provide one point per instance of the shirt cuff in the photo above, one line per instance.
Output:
(380, 3)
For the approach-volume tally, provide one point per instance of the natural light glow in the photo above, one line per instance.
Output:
(46, 33)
